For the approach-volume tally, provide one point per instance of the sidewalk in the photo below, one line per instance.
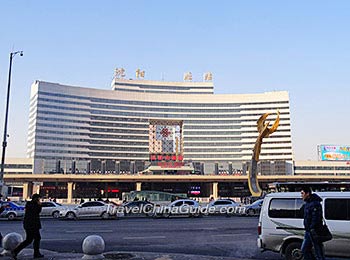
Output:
(50, 255)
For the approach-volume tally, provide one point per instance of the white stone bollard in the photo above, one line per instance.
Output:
(10, 242)
(93, 247)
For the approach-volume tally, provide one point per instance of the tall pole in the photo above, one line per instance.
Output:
(4, 143)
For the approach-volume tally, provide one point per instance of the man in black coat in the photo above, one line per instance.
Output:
(312, 221)
(32, 226)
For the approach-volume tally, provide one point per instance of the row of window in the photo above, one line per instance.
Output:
(131, 143)
(140, 114)
(146, 148)
(18, 166)
(176, 109)
(145, 137)
(165, 87)
(146, 131)
(335, 209)
(322, 168)
(130, 155)
(213, 149)
(144, 120)
(160, 92)
(148, 103)
(187, 125)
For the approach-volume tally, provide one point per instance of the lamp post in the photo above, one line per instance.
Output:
(4, 143)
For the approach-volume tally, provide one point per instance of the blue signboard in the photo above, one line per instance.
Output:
(334, 152)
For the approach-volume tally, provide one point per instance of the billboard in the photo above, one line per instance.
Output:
(165, 140)
(334, 152)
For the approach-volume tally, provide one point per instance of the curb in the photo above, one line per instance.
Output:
(120, 255)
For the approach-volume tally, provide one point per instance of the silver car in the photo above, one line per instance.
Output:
(181, 207)
(88, 210)
(222, 206)
(50, 208)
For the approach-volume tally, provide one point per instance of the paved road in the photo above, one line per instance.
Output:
(214, 235)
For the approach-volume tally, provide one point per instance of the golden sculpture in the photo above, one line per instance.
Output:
(264, 131)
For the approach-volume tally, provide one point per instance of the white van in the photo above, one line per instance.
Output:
(281, 226)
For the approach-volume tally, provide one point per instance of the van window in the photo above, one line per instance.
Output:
(337, 209)
(286, 208)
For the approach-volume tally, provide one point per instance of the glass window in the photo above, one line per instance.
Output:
(286, 208)
(337, 209)
(46, 204)
(97, 204)
(178, 204)
(222, 202)
(191, 203)
(87, 204)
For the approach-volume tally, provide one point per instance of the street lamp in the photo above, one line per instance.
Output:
(4, 143)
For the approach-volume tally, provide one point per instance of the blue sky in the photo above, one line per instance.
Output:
(250, 46)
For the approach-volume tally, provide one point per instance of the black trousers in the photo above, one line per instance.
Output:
(31, 234)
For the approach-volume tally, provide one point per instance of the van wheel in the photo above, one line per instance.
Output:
(293, 251)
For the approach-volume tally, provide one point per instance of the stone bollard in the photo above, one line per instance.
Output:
(93, 247)
(10, 242)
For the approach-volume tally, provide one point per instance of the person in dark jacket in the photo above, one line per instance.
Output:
(312, 221)
(32, 226)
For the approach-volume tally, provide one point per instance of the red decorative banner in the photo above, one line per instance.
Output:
(171, 164)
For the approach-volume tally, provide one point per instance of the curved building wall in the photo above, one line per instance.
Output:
(75, 129)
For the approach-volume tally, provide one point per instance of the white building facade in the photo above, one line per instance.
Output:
(84, 130)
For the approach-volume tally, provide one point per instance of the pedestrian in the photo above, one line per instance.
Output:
(312, 221)
(32, 226)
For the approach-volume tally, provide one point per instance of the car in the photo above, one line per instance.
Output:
(181, 207)
(12, 210)
(281, 229)
(50, 208)
(254, 208)
(138, 207)
(89, 209)
(222, 206)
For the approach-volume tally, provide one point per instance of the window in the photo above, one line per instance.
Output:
(97, 204)
(191, 203)
(88, 204)
(178, 204)
(47, 204)
(286, 208)
(337, 209)
(222, 202)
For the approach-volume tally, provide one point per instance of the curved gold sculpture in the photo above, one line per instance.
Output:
(264, 131)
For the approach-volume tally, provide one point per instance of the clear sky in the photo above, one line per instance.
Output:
(250, 46)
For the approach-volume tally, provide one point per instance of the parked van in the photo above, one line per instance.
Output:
(281, 226)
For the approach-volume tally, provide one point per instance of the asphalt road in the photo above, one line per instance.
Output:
(213, 235)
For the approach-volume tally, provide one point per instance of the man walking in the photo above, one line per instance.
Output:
(32, 226)
(312, 221)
